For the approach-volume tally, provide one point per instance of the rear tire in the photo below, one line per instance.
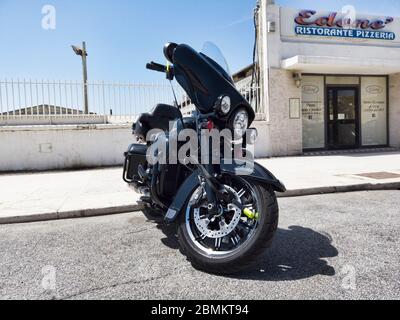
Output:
(247, 256)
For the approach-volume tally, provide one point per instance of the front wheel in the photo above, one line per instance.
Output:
(233, 239)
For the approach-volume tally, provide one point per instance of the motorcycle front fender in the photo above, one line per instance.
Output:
(186, 189)
(253, 171)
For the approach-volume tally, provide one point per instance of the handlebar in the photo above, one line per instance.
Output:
(161, 68)
(156, 67)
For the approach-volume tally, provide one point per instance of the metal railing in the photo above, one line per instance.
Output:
(108, 101)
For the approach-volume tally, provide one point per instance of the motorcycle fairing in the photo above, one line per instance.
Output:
(205, 81)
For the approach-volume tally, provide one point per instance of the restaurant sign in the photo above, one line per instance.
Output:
(332, 25)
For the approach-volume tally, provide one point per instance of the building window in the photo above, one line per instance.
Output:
(374, 111)
(313, 112)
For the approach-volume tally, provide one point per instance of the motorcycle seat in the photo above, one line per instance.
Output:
(158, 118)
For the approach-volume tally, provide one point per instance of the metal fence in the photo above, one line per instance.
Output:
(30, 99)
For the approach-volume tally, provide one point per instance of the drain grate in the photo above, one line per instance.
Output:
(380, 175)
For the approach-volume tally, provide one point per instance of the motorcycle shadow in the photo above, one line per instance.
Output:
(296, 253)
(171, 240)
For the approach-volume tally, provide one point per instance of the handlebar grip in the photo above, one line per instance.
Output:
(156, 67)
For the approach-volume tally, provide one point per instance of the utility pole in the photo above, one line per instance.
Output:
(83, 53)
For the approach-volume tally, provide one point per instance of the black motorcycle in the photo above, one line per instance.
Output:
(226, 213)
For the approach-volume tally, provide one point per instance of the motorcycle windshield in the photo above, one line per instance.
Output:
(205, 76)
(215, 56)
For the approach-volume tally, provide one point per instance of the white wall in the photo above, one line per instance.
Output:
(62, 147)
(263, 144)
(31, 148)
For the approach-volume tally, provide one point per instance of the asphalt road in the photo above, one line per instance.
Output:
(343, 246)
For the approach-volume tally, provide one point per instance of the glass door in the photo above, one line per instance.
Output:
(343, 119)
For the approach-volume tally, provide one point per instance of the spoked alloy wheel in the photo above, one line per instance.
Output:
(231, 239)
(226, 232)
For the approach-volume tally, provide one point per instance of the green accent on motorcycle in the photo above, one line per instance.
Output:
(250, 214)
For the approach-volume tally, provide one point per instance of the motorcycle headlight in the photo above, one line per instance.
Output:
(223, 105)
(240, 122)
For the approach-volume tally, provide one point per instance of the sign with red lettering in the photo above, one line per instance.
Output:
(310, 24)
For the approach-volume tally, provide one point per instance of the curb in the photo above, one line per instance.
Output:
(340, 189)
(84, 213)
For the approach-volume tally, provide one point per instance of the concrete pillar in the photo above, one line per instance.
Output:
(281, 136)
(394, 110)
(286, 137)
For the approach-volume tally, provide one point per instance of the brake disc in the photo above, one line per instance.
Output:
(203, 224)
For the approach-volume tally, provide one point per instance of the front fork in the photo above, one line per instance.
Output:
(211, 187)
(214, 189)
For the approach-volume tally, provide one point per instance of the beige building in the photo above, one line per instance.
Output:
(330, 80)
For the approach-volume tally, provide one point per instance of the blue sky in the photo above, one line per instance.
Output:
(123, 35)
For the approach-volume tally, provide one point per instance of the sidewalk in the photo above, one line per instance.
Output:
(55, 195)
(336, 173)
(70, 194)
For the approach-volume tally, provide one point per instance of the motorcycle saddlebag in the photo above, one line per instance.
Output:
(135, 156)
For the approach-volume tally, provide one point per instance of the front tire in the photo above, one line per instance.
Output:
(233, 261)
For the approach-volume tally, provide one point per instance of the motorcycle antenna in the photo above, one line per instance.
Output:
(172, 87)
(173, 92)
